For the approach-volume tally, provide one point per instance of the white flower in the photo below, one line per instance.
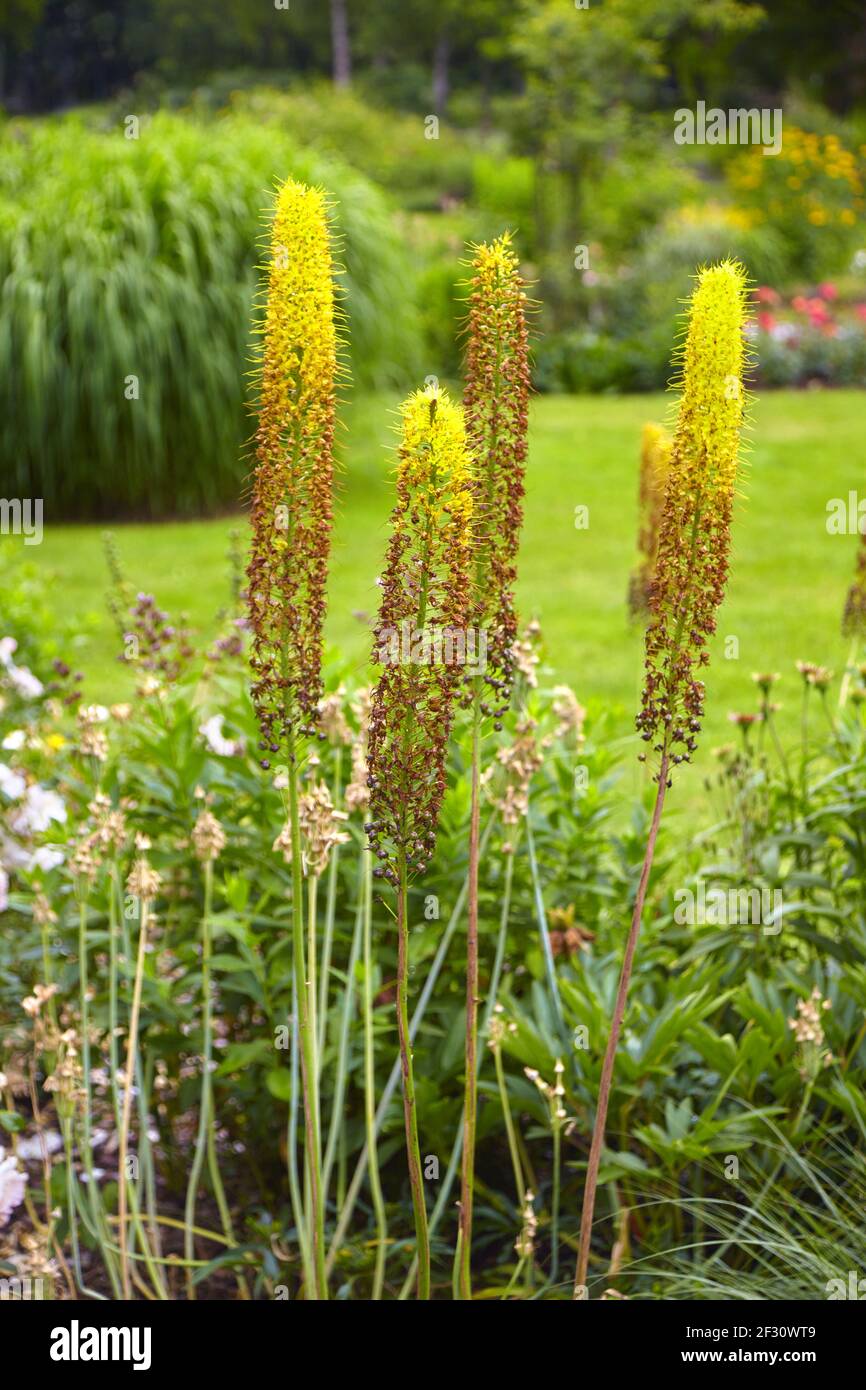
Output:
(20, 676)
(13, 855)
(15, 740)
(212, 733)
(12, 784)
(12, 1185)
(4, 890)
(25, 682)
(39, 808)
(45, 859)
(92, 714)
(29, 1149)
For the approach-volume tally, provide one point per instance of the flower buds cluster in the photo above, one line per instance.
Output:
(425, 583)
(495, 402)
(291, 511)
(694, 537)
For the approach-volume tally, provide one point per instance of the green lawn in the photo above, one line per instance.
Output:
(789, 577)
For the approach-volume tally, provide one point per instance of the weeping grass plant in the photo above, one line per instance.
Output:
(687, 588)
(129, 272)
(495, 402)
(291, 517)
(425, 601)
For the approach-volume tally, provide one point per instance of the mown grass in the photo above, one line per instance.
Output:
(788, 581)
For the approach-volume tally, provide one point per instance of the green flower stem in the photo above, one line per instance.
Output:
(427, 988)
(330, 915)
(555, 1199)
(116, 924)
(131, 1048)
(410, 1114)
(519, 1181)
(451, 1172)
(319, 1288)
(613, 1038)
(543, 928)
(94, 1201)
(463, 1256)
(206, 1138)
(335, 1128)
(71, 1205)
(292, 1152)
(370, 1084)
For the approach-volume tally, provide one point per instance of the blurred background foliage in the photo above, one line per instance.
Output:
(432, 126)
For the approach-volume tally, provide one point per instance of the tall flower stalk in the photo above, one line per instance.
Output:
(291, 519)
(143, 886)
(688, 586)
(208, 840)
(854, 618)
(421, 623)
(495, 400)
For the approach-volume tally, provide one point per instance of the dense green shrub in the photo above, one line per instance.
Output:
(422, 165)
(129, 270)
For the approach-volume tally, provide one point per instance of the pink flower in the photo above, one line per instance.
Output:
(799, 304)
(766, 320)
(764, 295)
(828, 291)
(860, 311)
(818, 312)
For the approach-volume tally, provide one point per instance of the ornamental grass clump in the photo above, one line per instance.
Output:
(291, 518)
(655, 457)
(495, 403)
(421, 622)
(688, 586)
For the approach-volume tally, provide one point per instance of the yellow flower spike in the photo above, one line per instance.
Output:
(656, 445)
(496, 403)
(694, 540)
(421, 622)
(292, 490)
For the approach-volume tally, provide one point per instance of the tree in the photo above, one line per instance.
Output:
(591, 76)
(340, 50)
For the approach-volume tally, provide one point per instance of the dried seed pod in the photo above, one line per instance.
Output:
(694, 538)
(496, 403)
(291, 511)
(419, 632)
